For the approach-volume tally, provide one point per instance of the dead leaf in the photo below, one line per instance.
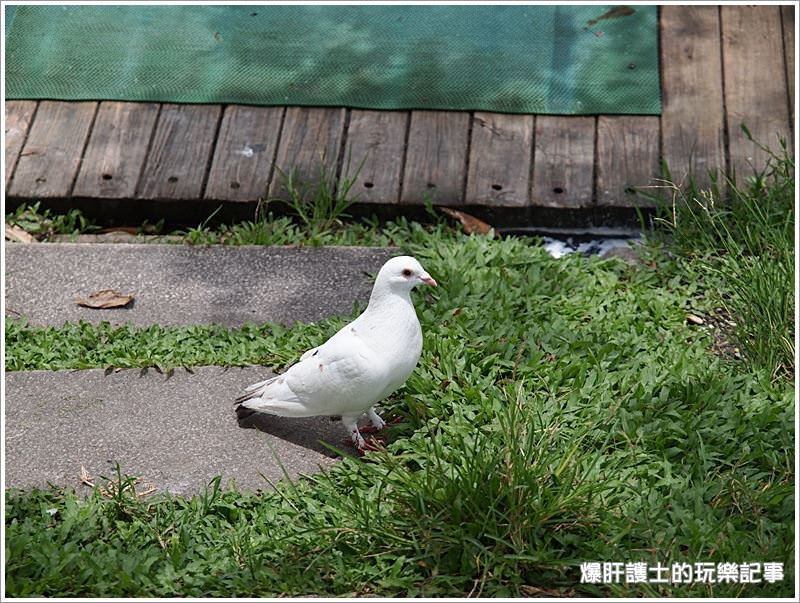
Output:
(150, 490)
(694, 319)
(86, 478)
(106, 298)
(15, 233)
(469, 223)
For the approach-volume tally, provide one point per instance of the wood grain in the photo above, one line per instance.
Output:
(310, 142)
(248, 137)
(375, 143)
(788, 18)
(755, 84)
(692, 118)
(627, 157)
(117, 150)
(52, 153)
(19, 115)
(436, 157)
(180, 152)
(500, 159)
(563, 163)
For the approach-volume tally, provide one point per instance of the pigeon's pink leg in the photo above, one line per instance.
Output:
(358, 440)
(377, 422)
(355, 435)
(371, 444)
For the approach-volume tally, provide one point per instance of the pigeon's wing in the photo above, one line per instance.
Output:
(342, 375)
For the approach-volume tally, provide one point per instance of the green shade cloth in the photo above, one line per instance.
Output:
(516, 59)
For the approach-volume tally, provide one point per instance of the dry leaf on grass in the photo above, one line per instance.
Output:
(86, 478)
(15, 233)
(106, 298)
(469, 223)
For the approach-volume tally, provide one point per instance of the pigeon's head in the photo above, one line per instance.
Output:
(403, 273)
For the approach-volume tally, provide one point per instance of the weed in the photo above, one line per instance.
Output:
(747, 242)
(318, 206)
(44, 224)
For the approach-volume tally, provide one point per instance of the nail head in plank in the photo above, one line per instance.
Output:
(180, 152)
(788, 16)
(563, 164)
(52, 153)
(500, 160)
(692, 118)
(627, 157)
(755, 84)
(19, 114)
(117, 150)
(244, 152)
(436, 157)
(375, 142)
(310, 141)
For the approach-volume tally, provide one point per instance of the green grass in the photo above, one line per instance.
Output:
(84, 345)
(44, 224)
(563, 411)
(269, 229)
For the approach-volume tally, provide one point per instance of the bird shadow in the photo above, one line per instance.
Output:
(309, 432)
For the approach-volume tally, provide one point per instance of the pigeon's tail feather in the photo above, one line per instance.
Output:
(256, 390)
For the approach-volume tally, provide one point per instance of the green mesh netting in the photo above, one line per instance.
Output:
(518, 59)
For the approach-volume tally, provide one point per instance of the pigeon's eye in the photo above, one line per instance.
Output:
(407, 272)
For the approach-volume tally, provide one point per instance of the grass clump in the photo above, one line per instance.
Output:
(747, 244)
(43, 224)
(316, 209)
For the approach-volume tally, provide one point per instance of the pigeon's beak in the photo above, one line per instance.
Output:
(428, 280)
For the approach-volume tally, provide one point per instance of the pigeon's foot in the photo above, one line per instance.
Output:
(374, 428)
(371, 445)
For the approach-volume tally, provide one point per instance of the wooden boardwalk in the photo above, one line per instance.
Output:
(721, 66)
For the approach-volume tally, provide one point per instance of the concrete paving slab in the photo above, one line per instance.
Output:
(180, 284)
(177, 432)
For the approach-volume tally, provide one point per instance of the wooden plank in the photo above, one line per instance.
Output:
(436, 157)
(180, 152)
(627, 157)
(243, 156)
(563, 161)
(375, 144)
(52, 153)
(117, 149)
(692, 118)
(788, 18)
(755, 84)
(500, 160)
(19, 115)
(310, 142)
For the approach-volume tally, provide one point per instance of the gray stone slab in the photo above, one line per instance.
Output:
(177, 432)
(179, 284)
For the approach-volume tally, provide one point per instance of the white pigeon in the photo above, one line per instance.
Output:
(361, 364)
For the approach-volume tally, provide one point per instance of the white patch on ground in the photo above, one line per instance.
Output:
(560, 247)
